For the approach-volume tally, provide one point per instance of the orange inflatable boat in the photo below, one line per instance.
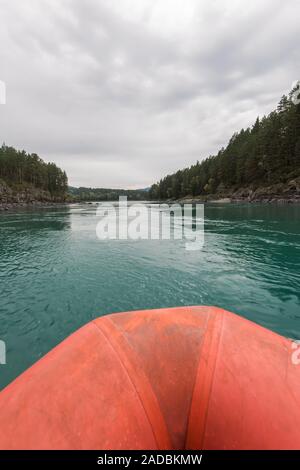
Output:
(183, 378)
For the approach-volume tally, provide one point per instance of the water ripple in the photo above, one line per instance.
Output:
(55, 275)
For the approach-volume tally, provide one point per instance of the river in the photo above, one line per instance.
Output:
(56, 275)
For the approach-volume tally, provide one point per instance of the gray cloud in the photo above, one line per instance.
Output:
(121, 93)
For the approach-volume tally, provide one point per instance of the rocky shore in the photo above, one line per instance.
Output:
(280, 193)
(13, 198)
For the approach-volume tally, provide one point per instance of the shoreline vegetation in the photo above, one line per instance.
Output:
(283, 194)
(280, 193)
(261, 164)
(25, 179)
(30, 197)
(26, 196)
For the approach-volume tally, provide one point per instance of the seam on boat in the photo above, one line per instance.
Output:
(194, 385)
(217, 325)
(129, 376)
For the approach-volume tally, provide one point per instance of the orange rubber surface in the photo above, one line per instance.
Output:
(183, 378)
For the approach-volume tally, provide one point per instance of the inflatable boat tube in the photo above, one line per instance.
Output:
(183, 378)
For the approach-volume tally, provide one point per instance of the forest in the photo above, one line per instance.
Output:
(20, 169)
(105, 194)
(264, 154)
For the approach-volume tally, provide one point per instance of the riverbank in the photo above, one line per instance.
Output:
(23, 196)
(30, 205)
(280, 193)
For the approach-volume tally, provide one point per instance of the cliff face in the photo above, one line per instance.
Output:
(24, 195)
(281, 192)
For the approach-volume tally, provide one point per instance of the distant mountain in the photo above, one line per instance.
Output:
(145, 190)
(105, 194)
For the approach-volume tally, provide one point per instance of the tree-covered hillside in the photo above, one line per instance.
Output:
(19, 169)
(262, 155)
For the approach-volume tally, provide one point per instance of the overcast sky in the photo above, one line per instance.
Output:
(121, 92)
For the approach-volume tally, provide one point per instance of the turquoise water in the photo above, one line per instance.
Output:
(55, 275)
